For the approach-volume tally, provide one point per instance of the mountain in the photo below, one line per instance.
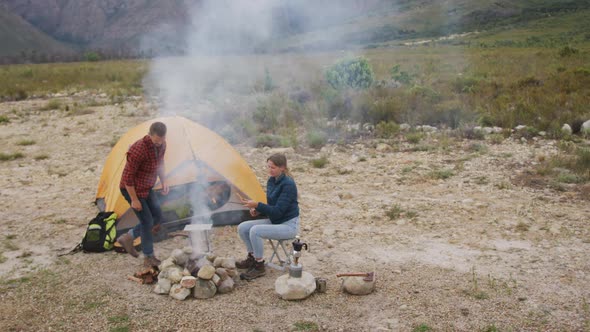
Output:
(21, 39)
(123, 28)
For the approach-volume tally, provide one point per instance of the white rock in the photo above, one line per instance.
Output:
(206, 272)
(519, 127)
(405, 127)
(174, 273)
(358, 286)
(586, 128)
(290, 288)
(566, 129)
(188, 282)
(178, 292)
(163, 286)
(168, 262)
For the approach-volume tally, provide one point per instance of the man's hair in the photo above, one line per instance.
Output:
(158, 128)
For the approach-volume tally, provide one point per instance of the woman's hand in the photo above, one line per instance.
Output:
(254, 213)
(249, 203)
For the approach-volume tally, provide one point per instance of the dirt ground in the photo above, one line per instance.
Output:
(472, 252)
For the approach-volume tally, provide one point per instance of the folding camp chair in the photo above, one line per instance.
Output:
(276, 261)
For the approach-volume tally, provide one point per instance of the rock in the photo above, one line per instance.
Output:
(226, 286)
(174, 273)
(179, 257)
(585, 128)
(178, 292)
(290, 288)
(382, 147)
(188, 282)
(216, 279)
(168, 262)
(519, 127)
(163, 286)
(405, 127)
(206, 272)
(566, 129)
(203, 261)
(222, 273)
(204, 289)
(228, 263)
(358, 286)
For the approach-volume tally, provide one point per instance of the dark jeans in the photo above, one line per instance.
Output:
(150, 215)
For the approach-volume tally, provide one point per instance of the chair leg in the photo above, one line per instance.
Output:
(282, 263)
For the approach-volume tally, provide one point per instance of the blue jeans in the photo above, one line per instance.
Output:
(150, 215)
(252, 232)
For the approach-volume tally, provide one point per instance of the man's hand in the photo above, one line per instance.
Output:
(136, 205)
(165, 189)
(253, 212)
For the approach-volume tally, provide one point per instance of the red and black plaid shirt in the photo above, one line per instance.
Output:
(141, 170)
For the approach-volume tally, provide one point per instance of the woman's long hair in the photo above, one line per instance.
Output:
(280, 160)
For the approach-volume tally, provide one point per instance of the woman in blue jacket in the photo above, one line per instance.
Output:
(282, 212)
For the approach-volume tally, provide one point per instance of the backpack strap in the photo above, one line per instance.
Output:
(76, 249)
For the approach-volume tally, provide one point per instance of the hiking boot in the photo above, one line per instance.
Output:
(151, 261)
(257, 270)
(126, 240)
(246, 263)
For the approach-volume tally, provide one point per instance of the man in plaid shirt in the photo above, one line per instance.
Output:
(145, 163)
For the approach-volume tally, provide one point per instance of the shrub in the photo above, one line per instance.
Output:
(319, 162)
(53, 104)
(316, 139)
(26, 142)
(92, 56)
(10, 156)
(386, 129)
(414, 137)
(4, 119)
(567, 51)
(268, 82)
(355, 73)
(269, 140)
(400, 76)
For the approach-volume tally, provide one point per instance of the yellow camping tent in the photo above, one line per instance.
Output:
(196, 159)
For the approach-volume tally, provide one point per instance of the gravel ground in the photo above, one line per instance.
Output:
(473, 252)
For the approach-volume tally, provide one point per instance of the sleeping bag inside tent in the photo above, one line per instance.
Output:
(205, 174)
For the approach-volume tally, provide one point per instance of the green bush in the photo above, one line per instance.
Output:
(92, 56)
(399, 75)
(319, 162)
(269, 140)
(316, 139)
(386, 129)
(567, 51)
(4, 119)
(10, 156)
(355, 73)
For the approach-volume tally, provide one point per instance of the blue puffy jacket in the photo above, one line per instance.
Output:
(281, 195)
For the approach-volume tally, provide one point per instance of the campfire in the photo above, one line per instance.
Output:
(182, 275)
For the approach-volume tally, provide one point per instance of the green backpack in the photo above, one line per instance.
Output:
(101, 233)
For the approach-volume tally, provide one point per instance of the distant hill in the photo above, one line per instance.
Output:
(20, 39)
(123, 28)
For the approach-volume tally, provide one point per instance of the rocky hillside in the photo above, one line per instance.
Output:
(121, 28)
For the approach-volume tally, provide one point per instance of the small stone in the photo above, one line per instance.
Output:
(222, 273)
(188, 282)
(206, 272)
(226, 286)
(163, 286)
(178, 292)
(358, 286)
(204, 289)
